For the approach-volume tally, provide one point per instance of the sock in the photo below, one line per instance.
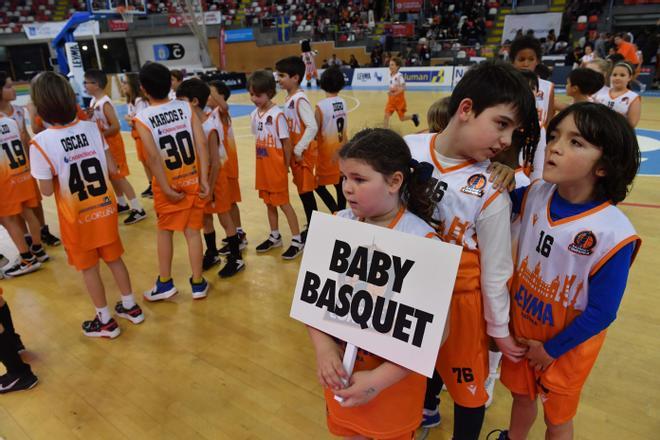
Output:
(121, 201)
(240, 230)
(10, 358)
(309, 203)
(297, 238)
(26, 256)
(135, 204)
(494, 358)
(104, 314)
(44, 229)
(36, 248)
(432, 395)
(468, 422)
(234, 249)
(199, 281)
(5, 319)
(163, 280)
(209, 239)
(275, 233)
(128, 301)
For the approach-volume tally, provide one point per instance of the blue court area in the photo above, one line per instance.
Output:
(649, 143)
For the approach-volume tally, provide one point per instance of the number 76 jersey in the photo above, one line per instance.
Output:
(73, 156)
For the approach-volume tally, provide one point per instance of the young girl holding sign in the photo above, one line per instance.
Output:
(383, 186)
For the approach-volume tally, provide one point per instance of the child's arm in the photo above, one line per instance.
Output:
(365, 385)
(202, 153)
(329, 369)
(318, 116)
(214, 156)
(283, 134)
(311, 128)
(111, 116)
(40, 168)
(635, 112)
(606, 288)
(288, 149)
(155, 165)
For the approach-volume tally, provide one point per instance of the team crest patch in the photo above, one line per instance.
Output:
(292, 104)
(269, 120)
(535, 218)
(625, 100)
(475, 185)
(583, 243)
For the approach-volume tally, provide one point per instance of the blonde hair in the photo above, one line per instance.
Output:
(437, 115)
(603, 66)
(53, 98)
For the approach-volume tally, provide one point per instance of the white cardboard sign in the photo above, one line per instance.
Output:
(385, 291)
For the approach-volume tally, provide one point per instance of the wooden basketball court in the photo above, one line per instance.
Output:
(235, 366)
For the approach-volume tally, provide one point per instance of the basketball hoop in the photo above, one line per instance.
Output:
(125, 13)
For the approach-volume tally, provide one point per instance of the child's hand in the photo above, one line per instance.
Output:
(510, 348)
(174, 196)
(536, 354)
(203, 190)
(330, 369)
(504, 177)
(360, 391)
(297, 158)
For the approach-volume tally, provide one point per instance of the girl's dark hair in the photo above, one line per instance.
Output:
(386, 152)
(612, 133)
(134, 92)
(332, 80)
(176, 73)
(3, 78)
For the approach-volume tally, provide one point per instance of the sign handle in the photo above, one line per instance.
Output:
(350, 353)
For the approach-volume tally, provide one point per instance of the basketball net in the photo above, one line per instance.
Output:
(125, 14)
(192, 14)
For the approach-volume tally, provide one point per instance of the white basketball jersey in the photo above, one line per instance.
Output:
(269, 127)
(98, 116)
(620, 104)
(397, 81)
(17, 114)
(460, 192)
(134, 109)
(543, 100)
(296, 125)
(334, 118)
(405, 221)
(214, 124)
(14, 163)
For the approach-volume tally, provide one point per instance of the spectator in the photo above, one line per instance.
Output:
(589, 54)
(334, 61)
(325, 64)
(377, 56)
(600, 46)
(353, 62)
(628, 50)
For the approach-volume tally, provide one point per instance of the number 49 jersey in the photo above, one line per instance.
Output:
(73, 156)
(170, 125)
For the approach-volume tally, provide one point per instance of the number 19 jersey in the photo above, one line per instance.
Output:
(73, 156)
(15, 179)
(170, 125)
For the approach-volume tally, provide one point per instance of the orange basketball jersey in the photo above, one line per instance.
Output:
(73, 156)
(268, 129)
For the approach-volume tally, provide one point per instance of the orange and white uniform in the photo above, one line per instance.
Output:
(18, 186)
(134, 109)
(302, 131)
(115, 142)
(170, 125)
(310, 65)
(220, 201)
(269, 128)
(620, 104)
(396, 412)
(331, 137)
(550, 288)
(543, 95)
(74, 157)
(232, 160)
(18, 114)
(397, 103)
(475, 216)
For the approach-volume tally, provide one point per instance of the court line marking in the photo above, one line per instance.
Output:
(639, 205)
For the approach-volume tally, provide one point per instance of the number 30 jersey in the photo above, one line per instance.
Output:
(73, 156)
(170, 125)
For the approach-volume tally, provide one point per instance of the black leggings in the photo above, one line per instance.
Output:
(309, 204)
(329, 201)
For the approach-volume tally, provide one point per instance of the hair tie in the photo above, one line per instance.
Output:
(422, 171)
(626, 65)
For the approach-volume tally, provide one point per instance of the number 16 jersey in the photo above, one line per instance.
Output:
(170, 125)
(73, 156)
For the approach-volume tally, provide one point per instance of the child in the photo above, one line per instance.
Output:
(19, 199)
(571, 232)
(526, 55)
(383, 187)
(308, 56)
(589, 54)
(302, 131)
(18, 114)
(437, 117)
(580, 85)
(332, 119)
(19, 375)
(274, 150)
(71, 160)
(175, 147)
(176, 77)
(196, 92)
(104, 114)
(218, 98)
(619, 97)
(396, 99)
(488, 105)
(136, 102)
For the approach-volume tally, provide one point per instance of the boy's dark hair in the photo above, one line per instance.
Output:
(155, 80)
(525, 42)
(588, 81)
(616, 58)
(194, 88)
(612, 133)
(262, 81)
(177, 74)
(332, 80)
(495, 82)
(386, 152)
(532, 79)
(397, 60)
(3, 78)
(292, 66)
(53, 98)
(98, 76)
(543, 71)
(221, 87)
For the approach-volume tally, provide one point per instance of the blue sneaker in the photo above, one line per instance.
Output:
(431, 418)
(200, 290)
(500, 433)
(161, 291)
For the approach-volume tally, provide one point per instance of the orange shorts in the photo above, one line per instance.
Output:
(86, 259)
(234, 190)
(303, 177)
(520, 378)
(139, 149)
(463, 359)
(330, 179)
(396, 104)
(119, 156)
(10, 208)
(220, 201)
(274, 198)
(342, 431)
(191, 218)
